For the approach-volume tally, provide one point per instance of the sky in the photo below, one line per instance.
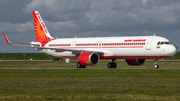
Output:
(89, 18)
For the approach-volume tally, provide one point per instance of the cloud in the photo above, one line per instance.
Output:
(58, 5)
(144, 2)
(12, 28)
(59, 10)
(114, 15)
(11, 11)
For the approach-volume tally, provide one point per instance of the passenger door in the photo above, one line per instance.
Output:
(148, 45)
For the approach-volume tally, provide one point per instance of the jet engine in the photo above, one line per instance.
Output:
(88, 58)
(135, 61)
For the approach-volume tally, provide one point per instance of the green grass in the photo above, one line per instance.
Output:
(88, 84)
(25, 56)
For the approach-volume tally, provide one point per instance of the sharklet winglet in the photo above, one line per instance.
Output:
(8, 42)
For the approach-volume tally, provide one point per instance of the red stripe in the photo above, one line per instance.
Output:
(121, 57)
(129, 57)
(101, 47)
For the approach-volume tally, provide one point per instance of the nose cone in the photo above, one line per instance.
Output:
(172, 50)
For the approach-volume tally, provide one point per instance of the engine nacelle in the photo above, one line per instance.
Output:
(88, 58)
(135, 61)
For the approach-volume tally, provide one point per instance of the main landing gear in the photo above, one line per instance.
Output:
(112, 64)
(80, 66)
(156, 66)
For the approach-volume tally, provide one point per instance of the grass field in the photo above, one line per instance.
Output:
(50, 84)
(25, 56)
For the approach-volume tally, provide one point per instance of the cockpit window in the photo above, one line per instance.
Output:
(162, 43)
(158, 43)
(167, 43)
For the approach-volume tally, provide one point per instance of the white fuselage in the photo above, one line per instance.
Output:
(115, 47)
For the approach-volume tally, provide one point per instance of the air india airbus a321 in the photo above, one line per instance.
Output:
(135, 49)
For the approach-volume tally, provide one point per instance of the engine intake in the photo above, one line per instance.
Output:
(88, 58)
(135, 61)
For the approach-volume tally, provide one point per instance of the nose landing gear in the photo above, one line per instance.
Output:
(156, 66)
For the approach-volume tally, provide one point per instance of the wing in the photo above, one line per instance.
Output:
(16, 43)
(30, 45)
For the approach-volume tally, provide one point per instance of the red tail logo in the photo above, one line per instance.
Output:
(41, 31)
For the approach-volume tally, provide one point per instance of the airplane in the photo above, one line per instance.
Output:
(134, 49)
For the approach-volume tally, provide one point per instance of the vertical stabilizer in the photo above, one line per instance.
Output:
(41, 31)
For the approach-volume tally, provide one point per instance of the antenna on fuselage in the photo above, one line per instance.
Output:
(154, 34)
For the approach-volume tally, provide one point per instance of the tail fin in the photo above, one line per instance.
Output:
(41, 31)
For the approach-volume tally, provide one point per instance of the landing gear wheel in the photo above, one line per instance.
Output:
(80, 66)
(112, 65)
(156, 66)
(109, 65)
(83, 66)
